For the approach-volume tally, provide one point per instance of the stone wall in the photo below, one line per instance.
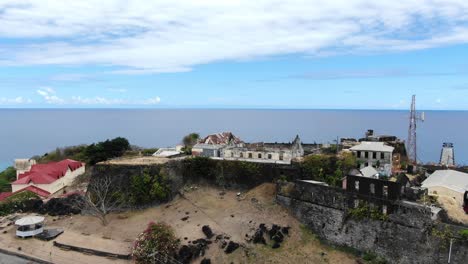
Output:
(407, 235)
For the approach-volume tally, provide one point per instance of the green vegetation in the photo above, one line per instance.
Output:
(90, 154)
(15, 202)
(372, 258)
(147, 188)
(366, 211)
(444, 234)
(189, 141)
(328, 168)
(463, 234)
(6, 177)
(157, 237)
(148, 152)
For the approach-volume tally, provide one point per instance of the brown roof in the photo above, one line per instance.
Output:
(221, 139)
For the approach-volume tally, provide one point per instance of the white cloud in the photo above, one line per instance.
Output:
(168, 36)
(50, 97)
(14, 101)
(48, 94)
(152, 101)
(115, 90)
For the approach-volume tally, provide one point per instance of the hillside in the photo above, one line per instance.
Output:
(223, 211)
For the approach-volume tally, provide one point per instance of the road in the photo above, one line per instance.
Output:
(7, 259)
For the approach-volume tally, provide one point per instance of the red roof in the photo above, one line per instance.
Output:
(35, 190)
(48, 173)
(5, 195)
(31, 188)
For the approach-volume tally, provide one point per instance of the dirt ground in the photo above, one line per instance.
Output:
(139, 160)
(224, 212)
(454, 209)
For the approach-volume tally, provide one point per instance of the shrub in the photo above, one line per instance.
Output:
(463, 234)
(6, 177)
(365, 211)
(157, 238)
(148, 188)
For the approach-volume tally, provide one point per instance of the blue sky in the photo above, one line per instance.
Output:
(354, 54)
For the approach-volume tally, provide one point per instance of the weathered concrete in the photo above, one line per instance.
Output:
(406, 237)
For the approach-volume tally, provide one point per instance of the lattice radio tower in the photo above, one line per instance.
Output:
(411, 144)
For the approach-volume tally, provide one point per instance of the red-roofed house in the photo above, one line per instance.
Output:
(50, 177)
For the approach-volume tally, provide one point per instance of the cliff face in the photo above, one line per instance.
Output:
(405, 237)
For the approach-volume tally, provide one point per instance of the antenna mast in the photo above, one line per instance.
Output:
(411, 145)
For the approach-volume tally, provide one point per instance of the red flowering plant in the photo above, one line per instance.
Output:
(158, 239)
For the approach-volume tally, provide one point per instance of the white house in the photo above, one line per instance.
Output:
(449, 183)
(375, 154)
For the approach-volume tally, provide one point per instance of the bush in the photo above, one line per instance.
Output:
(463, 234)
(6, 177)
(365, 211)
(148, 188)
(157, 238)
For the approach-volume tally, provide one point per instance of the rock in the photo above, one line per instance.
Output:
(185, 218)
(207, 231)
(189, 252)
(274, 229)
(185, 254)
(285, 230)
(205, 261)
(278, 237)
(231, 247)
(223, 244)
(258, 237)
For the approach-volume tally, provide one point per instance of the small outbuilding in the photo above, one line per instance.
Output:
(449, 183)
(29, 226)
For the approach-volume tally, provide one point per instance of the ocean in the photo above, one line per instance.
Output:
(28, 132)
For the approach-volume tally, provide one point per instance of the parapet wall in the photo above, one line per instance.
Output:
(405, 237)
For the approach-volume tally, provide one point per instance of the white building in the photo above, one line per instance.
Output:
(448, 183)
(282, 153)
(375, 154)
(50, 177)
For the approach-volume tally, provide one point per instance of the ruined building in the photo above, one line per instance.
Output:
(282, 153)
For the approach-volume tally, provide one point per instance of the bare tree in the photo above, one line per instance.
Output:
(102, 198)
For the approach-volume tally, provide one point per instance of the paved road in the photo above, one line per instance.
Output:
(7, 259)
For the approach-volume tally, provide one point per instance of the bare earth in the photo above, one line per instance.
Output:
(225, 214)
(454, 209)
(139, 160)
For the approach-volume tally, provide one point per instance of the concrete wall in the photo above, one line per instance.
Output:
(404, 238)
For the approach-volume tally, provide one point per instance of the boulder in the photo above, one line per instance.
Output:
(207, 231)
(231, 247)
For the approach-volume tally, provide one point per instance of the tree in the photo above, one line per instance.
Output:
(6, 177)
(156, 243)
(189, 141)
(148, 188)
(102, 198)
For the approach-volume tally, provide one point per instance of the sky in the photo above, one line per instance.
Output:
(292, 54)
